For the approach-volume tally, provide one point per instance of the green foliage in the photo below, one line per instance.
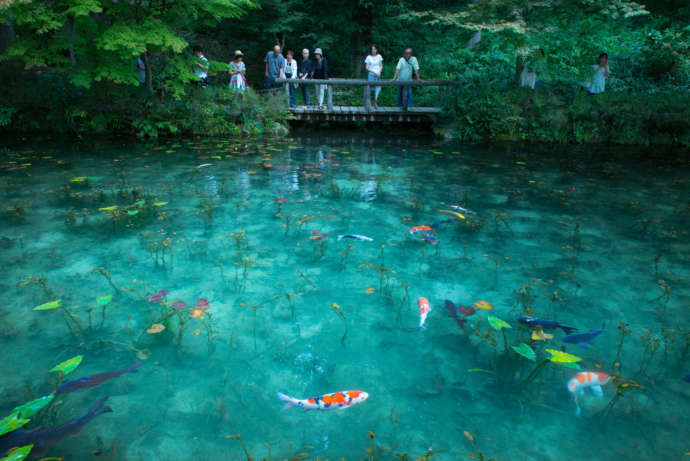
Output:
(48, 306)
(31, 408)
(18, 454)
(68, 365)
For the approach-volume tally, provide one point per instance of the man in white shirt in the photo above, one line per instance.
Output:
(201, 66)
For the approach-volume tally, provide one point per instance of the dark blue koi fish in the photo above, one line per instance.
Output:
(429, 238)
(45, 437)
(545, 324)
(454, 313)
(80, 384)
(584, 340)
(686, 378)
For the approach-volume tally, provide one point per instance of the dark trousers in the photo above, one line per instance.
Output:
(271, 83)
(305, 94)
(292, 94)
(409, 96)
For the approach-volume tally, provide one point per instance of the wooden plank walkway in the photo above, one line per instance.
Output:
(365, 112)
(360, 114)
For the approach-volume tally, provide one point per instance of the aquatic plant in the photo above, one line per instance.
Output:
(375, 451)
(339, 312)
(651, 346)
(68, 366)
(238, 437)
(499, 324)
(477, 453)
(106, 274)
(622, 386)
(623, 331)
(103, 301)
(66, 315)
(254, 308)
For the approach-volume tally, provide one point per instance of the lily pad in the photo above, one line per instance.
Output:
(104, 300)
(108, 208)
(160, 203)
(525, 351)
(140, 202)
(570, 365)
(132, 212)
(69, 365)
(11, 422)
(497, 323)
(48, 306)
(483, 305)
(562, 357)
(31, 408)
(19, 454)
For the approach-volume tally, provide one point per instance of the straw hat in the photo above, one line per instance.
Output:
(238, 53)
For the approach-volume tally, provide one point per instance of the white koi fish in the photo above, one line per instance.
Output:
(356, 237)
(592, 380)
(424, 310)
(334, 401)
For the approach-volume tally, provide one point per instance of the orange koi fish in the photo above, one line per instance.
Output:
(584, 380)
(424, 310)
(420, 228)
(335, 401)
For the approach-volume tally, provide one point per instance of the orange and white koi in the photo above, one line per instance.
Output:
(335, 401)
(420, 228)
(424, 310)
(592, 380)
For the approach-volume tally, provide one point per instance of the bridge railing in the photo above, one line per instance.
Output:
(366, 86)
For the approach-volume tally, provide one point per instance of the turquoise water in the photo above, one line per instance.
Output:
(566, 234)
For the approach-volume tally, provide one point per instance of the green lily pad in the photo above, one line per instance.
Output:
(48, 306)
(140, 202)
(160, 203)
(31, 408)
(497, 323)
(562, 357)
(525, 351)
(68, 366)
(104, 300)
(19, 454)
(11, 422)
(132, 212)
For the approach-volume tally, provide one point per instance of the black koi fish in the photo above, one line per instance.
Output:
(78, 385)
(45, 437)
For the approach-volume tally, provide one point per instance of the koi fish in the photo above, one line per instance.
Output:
(43, 438)
(592, 380)
(78, 385)
(429, 238)
(420, 228)
(334, 401)
(204, 165)
(686, 378)
(584, 340)
(545, 324)
(462, 209)
(454, 214)
(363, 238)
(424, 310)
(454, 313)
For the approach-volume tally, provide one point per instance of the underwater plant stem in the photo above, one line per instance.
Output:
(73, 317)
(534, 372)
(244, 447)
(505, 341)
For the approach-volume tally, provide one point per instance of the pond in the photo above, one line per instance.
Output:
(232, 280)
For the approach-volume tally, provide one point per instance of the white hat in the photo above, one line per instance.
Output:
(305, 51)
(318, 51)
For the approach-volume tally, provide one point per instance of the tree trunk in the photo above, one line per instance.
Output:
(7, 36)
(149, 77)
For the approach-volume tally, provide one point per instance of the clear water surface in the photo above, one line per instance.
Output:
(252, 228)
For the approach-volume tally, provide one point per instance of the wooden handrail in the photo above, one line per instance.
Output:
(364, 82)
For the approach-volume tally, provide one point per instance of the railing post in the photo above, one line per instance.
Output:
(287, 93)
(367, 99)
(405, 95)
(329, 103)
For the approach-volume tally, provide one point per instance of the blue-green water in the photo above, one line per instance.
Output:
(559, 234)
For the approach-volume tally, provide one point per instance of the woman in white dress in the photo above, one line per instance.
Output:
(238, 82)
(374, 65)
(601, 73)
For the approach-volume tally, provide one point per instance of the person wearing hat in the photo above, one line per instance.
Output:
(291, 73)
(275, 67)
(305, 71)
(321, 73)
(237, 69)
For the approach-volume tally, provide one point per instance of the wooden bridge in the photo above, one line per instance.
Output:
(366, 112)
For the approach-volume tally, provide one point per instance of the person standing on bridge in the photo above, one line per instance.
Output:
(275, 67)
(320, 72)
(374, 65)
(305, 71)
(290, 73)
(407, 68)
